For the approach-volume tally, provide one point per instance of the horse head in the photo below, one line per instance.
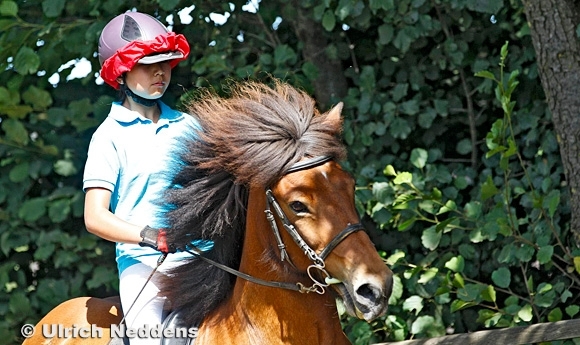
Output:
(315, 198)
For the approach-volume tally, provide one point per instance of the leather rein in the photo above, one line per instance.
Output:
(317, 259)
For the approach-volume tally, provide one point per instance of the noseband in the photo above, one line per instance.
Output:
(317, 259)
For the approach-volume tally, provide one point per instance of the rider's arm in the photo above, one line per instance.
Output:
(99, 220)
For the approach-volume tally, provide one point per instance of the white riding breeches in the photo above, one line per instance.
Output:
(144, 311)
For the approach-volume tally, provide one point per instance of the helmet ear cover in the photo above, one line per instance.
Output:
(174, 48)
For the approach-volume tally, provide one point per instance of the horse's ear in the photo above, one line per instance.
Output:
(334, 118)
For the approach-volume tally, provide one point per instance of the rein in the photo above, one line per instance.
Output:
(318, 260)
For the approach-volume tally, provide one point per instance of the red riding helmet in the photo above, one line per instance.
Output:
(131, 38)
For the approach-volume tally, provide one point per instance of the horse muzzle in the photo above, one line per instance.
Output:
(367, 300)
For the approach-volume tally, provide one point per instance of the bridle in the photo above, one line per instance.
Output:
(317, 259)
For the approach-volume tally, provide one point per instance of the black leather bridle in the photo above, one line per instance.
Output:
(317, 259)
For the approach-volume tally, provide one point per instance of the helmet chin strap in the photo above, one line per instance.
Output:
(136, 98)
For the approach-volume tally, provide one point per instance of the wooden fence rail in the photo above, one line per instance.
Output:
(536, 333)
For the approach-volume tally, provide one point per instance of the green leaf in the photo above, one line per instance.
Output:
(65, 258)
(38, 98)
(26, 61)
(555, 315)
(473, 209)
(488, 189)
(545, 254)
(413, 303)
(494, 137)
(403, 178)
(389, 171)
(401, 202)
(552, 202)
(8, 8)
(406, 224)
(19, 173)
(53, 8)
(526, 313)
(423, 324)
(546, 295)
(59, 210)
(431, 238)
(394, 258)
(428, 275)
(471, 292)
(400, 91)
(328, 20)
(492, 320)
(32, 209)
(525, 252)
(572, 310)
(400, 128)
(427, 117)
(501, 277)
(504, 50)
(386, 5)
(489, 294)
(19, 304)
(485, 6)
(368, 79)
(397, 291)
(310, 70)
(16, 111)
(403, 41)
(456, 264)
(57, 116)
(441, 106)
(458, 281)
(419, 157)
(168, 5)
(15, 131)
(459, 305)
(577, 264)
(101, 277)
(410, 107)
(565, 295)
(464, 146)
(284, 54)
(449, 206)
(65, 167)
(386, 34)
(44, 251)
(485, 74)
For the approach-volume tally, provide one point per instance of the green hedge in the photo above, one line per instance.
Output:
(459, 176)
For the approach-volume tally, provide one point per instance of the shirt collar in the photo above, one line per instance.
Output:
(121, 114)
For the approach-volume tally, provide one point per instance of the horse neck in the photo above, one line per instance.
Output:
(276, 315)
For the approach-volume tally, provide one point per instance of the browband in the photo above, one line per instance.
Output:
(309, 163)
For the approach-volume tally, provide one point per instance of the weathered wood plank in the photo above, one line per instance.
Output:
(548, 331)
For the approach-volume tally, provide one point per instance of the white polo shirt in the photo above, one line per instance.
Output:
(129, 155)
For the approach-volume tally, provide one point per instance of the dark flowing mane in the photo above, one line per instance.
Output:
(248, 139)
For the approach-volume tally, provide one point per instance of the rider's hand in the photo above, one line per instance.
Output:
(156, 239)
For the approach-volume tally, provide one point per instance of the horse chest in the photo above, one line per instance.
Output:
(266, 316)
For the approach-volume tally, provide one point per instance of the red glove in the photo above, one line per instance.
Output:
(156, 239)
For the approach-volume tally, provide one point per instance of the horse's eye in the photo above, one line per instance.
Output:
(298, 207)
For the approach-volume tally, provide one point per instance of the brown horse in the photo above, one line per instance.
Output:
(262, 181)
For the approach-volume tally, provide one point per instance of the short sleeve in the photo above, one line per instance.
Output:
(102, 168)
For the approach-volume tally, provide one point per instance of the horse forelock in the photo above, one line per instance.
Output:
(260, 131)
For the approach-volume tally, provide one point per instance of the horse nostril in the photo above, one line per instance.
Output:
(368, 292)
(370, 301)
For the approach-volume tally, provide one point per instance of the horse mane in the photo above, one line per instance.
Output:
(247, 139)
